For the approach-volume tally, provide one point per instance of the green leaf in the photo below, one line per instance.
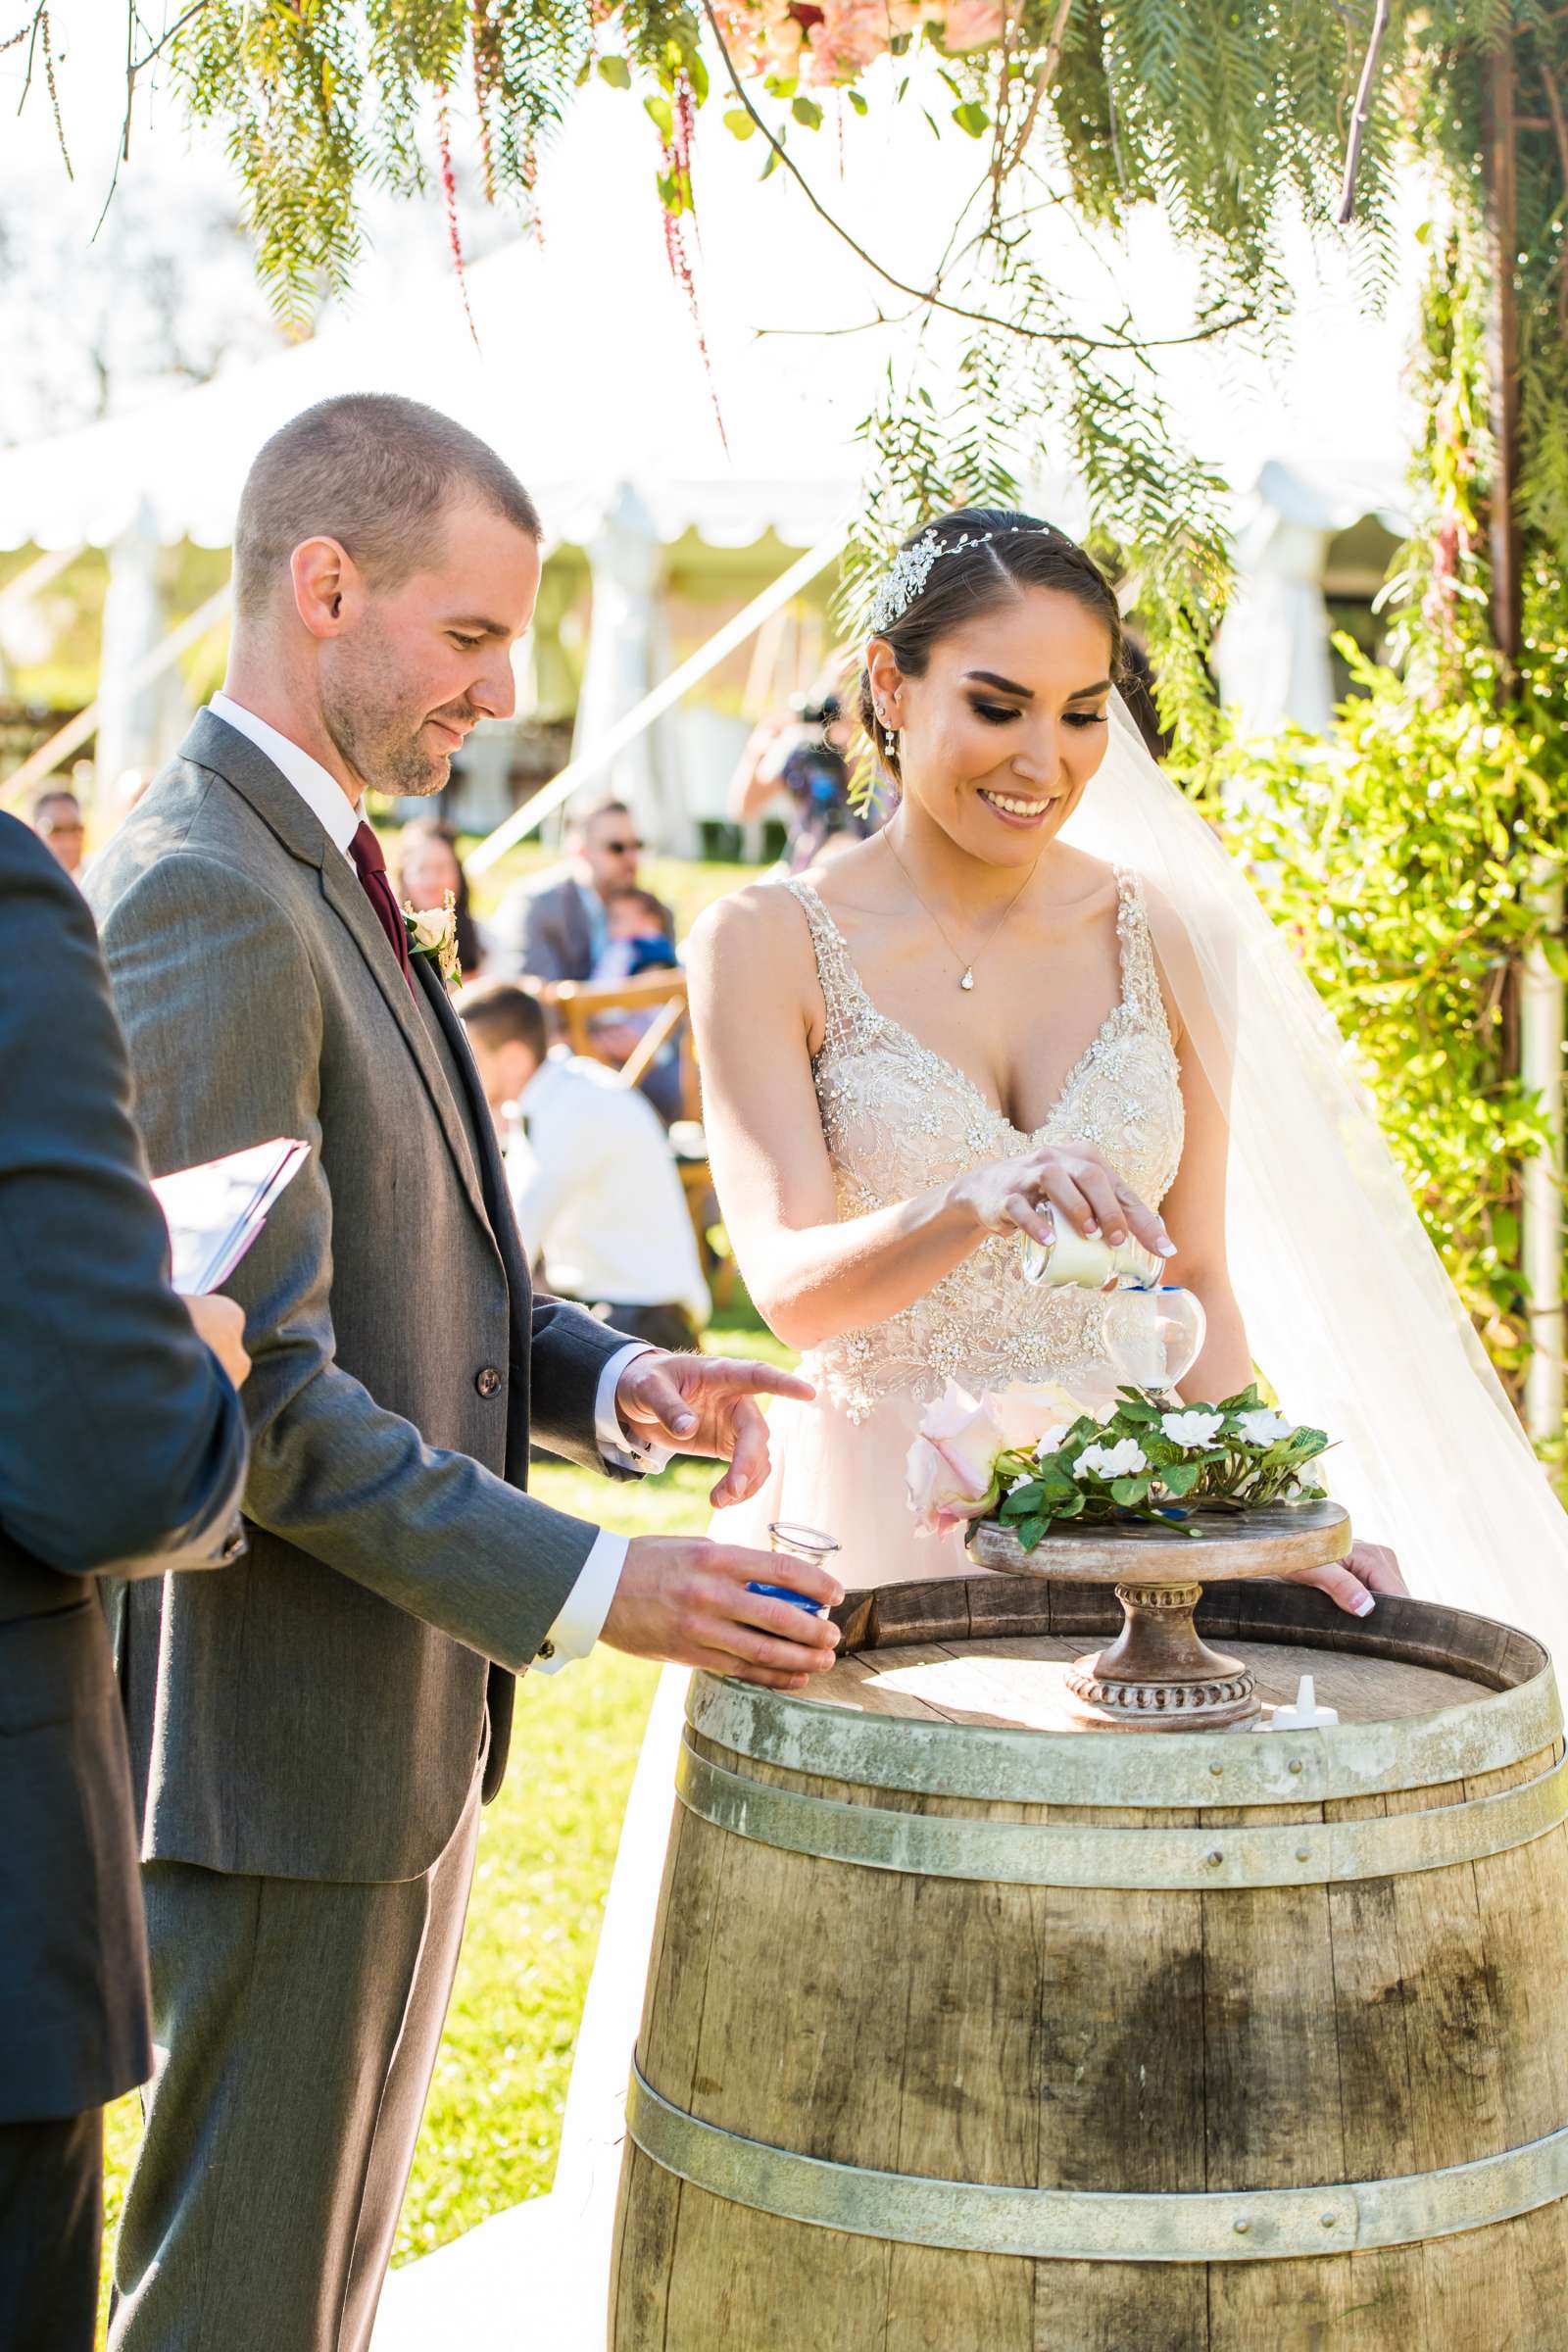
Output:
(858, 101)
(807, 110)
(1030, 1532)
(781, 85)
(1180, 1479)
(973, 117)
(740, 123)
(662, 115)
(616, 71)
(697, 75)
(771, 167)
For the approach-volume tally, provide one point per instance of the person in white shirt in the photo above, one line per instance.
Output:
(594, 1182)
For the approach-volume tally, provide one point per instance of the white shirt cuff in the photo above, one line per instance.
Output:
(587, 1605)
(618, 1450)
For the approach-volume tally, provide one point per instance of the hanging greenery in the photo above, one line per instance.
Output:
(1423, 826)
(1230, 119)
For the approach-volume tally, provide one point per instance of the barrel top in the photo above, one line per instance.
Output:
(955, 1686)
(1018, 1683)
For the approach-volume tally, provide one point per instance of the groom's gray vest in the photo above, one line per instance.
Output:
(319, 1709)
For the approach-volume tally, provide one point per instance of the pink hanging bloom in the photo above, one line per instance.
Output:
(851, 35)
(972, 24)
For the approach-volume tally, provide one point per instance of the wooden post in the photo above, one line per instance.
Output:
(1503, 351)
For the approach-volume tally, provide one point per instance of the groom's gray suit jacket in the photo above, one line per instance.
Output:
(319, 1709)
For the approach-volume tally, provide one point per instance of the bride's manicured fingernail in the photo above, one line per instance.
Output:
(1166, 1248)
(1092, 1230)
(1365, 1605)
(1116, 1237)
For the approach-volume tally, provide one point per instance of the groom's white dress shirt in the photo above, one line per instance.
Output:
(587, 1604)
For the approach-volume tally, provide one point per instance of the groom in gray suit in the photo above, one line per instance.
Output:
(312, 1732)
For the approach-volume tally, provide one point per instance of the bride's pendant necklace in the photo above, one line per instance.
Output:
(967, 977)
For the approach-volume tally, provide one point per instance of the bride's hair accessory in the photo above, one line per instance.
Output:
(912, 565)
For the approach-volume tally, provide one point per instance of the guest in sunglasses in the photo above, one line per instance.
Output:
(554, 926)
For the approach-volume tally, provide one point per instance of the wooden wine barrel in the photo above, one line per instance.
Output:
(963, 2031)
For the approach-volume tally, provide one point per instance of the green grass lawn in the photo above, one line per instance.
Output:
(545, 1855)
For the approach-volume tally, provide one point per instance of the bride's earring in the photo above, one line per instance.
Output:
(889, 740)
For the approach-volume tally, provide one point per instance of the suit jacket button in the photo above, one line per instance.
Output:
(488, 1382)
(545, 1649)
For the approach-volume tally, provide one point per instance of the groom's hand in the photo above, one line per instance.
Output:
(707, 1405)
(683, 1600)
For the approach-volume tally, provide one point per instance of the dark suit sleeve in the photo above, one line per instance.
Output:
(121, 1440)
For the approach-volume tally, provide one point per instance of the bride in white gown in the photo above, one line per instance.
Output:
(954, 1033)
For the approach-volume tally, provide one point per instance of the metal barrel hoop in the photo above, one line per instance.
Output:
(1091, 2225)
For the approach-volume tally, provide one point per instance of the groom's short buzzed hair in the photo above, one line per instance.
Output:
(374, 471)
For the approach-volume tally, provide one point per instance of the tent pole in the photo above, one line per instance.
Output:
(524, 821)
(76, 731)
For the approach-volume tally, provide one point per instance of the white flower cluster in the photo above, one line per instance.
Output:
(1194, 1427)
(1265, 1428)
(1123, 1460)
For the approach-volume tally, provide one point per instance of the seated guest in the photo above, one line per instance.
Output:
(554, 926)
(638, 942)
(58, 821)
(122, 1454)
(428, 866)
(594, 1182)
(637, 937)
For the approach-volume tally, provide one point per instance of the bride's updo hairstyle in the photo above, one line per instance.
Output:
(1004, 553)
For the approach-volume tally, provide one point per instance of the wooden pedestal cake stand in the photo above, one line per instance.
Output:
(1159, 1675)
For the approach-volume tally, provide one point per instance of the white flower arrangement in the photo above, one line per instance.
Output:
(1012, 1455)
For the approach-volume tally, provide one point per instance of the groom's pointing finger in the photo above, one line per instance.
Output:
(746, 1376)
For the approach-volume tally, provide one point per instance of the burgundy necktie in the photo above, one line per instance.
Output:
(366, 852)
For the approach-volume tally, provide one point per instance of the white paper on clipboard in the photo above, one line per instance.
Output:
(216, 1211)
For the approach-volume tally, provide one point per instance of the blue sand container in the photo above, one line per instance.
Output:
(800, 1600)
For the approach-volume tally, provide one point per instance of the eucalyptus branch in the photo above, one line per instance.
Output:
(1369, 68)
(1042, 80)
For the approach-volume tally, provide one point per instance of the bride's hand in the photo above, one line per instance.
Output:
(1353, 1583)
(1072, 1181)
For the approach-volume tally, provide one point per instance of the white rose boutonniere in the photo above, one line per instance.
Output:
(433, 932)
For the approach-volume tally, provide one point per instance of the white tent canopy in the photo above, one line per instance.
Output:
(584, 368)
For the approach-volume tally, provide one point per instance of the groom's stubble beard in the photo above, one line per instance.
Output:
(369, 714)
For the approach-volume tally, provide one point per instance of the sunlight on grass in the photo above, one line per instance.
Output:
(546, 1848)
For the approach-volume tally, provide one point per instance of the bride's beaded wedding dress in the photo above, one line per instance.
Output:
(898, 1120)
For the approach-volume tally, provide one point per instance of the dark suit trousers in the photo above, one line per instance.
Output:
(51, 2222)
(297, 2023)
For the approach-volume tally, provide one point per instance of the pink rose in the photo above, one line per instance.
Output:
(971, 25)
(952, 1462)
(1027, 1409)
